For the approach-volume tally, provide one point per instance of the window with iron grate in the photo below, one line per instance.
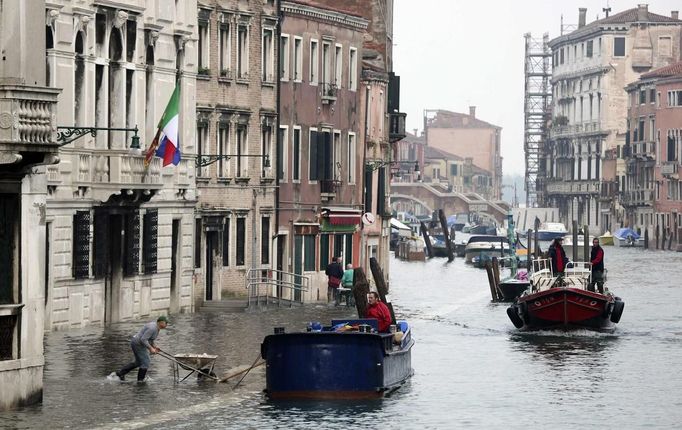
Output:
(101, 244)
(150, 240)
(7, 334)
(81, 245)
(131, 233)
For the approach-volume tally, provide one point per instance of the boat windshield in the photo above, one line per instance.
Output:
(488, 238)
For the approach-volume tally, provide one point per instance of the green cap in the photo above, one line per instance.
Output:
(162, 318)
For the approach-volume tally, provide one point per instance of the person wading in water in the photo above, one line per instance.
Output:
(142, 345)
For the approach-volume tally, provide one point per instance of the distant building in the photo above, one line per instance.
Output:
(651, 191)
(466, 136)
(457, 174)
(408, 154)
(120, 235)
(236, 138)
(591, 67)
(320, 127)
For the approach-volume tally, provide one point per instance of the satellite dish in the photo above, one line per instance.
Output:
(368, 218)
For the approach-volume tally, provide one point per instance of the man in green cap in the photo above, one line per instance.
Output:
(142, 345)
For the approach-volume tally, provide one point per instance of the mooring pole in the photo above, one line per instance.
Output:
(586, 243)
(446, 234)
(574, 234)
(427, 240)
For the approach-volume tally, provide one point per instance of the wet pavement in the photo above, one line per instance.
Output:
(472, 368)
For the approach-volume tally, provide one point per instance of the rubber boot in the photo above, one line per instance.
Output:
(141, 373)
(125, 370)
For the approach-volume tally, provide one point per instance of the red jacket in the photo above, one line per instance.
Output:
(380, 311)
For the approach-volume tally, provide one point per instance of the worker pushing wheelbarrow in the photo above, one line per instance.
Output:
(203, 365)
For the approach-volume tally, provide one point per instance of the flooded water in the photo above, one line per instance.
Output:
(472, 368)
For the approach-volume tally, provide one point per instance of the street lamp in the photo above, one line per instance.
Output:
(66, 135)
(374, 165)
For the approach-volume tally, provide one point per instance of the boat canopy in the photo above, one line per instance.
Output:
(625, 232)
(402, 229)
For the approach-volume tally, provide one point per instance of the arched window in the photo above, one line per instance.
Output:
(79, 79)
(116, 94)
(49, 44)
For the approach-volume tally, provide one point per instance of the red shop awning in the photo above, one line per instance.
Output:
(344, 219)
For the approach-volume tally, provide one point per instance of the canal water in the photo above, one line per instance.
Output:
(472, 369)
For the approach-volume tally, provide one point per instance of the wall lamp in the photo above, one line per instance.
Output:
(66, 135)
(208, 159)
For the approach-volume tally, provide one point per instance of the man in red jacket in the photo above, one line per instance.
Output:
(378, 310)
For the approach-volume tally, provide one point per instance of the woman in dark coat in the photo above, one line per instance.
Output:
(558, 257)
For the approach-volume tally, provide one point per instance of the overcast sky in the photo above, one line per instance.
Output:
(451, 54)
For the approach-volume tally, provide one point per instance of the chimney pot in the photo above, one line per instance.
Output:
(582, 15)
(675, 14)
(642, 12)
(472, 111)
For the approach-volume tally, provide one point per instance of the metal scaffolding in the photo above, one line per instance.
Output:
(537, 113)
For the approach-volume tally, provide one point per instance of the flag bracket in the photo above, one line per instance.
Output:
(66, 135)
(208, 159)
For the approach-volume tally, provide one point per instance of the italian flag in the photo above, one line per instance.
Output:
(166, 143)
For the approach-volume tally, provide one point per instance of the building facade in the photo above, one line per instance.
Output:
(457, 174)
(468, 137)
(651, 193)
(119, 235)
(27, 144)
(320, 168)
(236, 138)
(591, 67)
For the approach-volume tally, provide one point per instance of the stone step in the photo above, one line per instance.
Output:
(229, 305)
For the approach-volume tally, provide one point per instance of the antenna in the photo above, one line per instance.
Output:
(607, 9)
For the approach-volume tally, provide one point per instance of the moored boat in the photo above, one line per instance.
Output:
(627, 237)
(549, 231)
(565, 303)
(606, 239)
(486, 247)
(333, 364)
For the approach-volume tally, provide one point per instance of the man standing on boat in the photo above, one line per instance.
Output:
(142, 344)
(378, 310)
(558, 257)
(597, 260)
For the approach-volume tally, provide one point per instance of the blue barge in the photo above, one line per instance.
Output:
(337, 365)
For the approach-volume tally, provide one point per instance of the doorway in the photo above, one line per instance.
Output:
(298, 264)
(281, 251)
(114, 274)
(212, 242)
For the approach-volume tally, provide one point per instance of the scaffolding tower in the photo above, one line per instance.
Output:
(537, 114)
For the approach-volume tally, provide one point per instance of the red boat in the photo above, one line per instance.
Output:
(565, 303)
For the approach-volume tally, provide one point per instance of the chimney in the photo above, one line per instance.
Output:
(642, 12)
(415, 132)
(675, 14)
(582, 14)
(472, 111)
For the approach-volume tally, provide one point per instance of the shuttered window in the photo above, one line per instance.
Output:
(381, 192)
(101, 244)
(368, 190)
(324, 251)
(265, 240)
(131, 233)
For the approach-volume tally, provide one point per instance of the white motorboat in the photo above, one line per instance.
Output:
(488, 245)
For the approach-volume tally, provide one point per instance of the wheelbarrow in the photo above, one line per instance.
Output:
(201, 364)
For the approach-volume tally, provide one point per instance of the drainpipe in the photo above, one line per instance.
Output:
(278, 141)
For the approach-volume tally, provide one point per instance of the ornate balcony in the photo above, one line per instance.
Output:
(573, 187)
(642, 197)
(670, 168)
(27, 124)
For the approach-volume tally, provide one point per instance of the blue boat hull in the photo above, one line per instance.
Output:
(329, 365)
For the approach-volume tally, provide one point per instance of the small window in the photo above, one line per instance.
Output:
(267, 52)
(590, 47)
(197, 243)
(265, 240)
(652, 95)
(314, 62)
(338, 64)
(642, 97)
(619, 47)
(243, 52)
(81, 245)
(225, 51)
(351, 157)
(296, 155)
(353, 69)
(298, 59)
(313, 173)
(284, 57)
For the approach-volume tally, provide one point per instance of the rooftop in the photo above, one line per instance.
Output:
(665, 71)
(448, 119)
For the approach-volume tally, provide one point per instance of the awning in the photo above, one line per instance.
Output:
(399, 225)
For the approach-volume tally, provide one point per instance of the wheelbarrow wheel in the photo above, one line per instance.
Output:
(204, 372)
